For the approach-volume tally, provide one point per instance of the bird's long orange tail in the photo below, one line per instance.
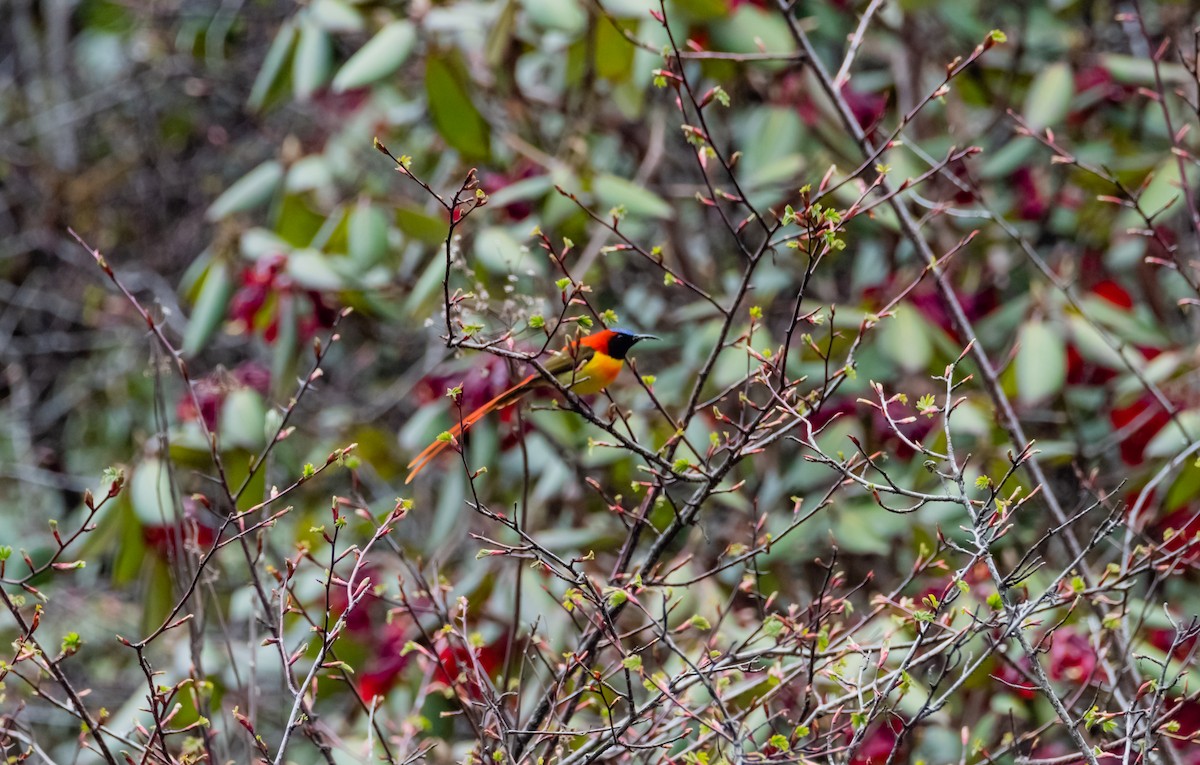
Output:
(505, 399)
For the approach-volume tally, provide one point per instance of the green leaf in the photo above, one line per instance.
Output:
(773, 626)
(1139, 70)
(905, 339)
(312, 269)
(529, 189)
(243, 416)
(308, 173)
(749, 27)
(1184, 489)
(1162, 197)
(1049, 96)
(1093, 346)
(368, 235)
(212, 305)
(613, 54)
(381, 56)
(1173, 438)
(420, 225)
(1041, 363)
(611, 191)
(497, 250)
(562, 15)
(150, 493)
(283, 356)
(251, 190)
(336, 16)
(313, 62)
(455, 117)
(274, 65)
(258, 243)
(159, 595)
(1006, 159)
(771, 138)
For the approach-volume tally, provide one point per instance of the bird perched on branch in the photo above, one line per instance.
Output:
(587, 365)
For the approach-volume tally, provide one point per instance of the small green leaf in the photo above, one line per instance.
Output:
(773, 626)
(71, 643)
(927, 405)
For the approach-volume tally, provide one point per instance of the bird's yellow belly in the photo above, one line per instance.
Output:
(595, 374)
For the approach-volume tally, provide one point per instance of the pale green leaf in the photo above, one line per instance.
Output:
(368, 236)
(1049, 96)
(251, 190)
(1041, 363)
(274, 65)
(212, 304)
(313, 62)
(612, 191)
(381, 56)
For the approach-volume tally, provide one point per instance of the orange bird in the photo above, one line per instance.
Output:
(586, 366)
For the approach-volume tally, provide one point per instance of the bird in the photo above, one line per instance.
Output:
(585, 366)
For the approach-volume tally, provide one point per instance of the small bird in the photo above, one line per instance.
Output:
(587, 365)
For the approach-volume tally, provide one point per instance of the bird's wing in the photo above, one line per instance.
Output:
(562, 364)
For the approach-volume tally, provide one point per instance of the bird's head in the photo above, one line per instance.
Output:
(619, 341)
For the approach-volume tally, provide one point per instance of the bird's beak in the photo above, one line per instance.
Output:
(647, 337)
